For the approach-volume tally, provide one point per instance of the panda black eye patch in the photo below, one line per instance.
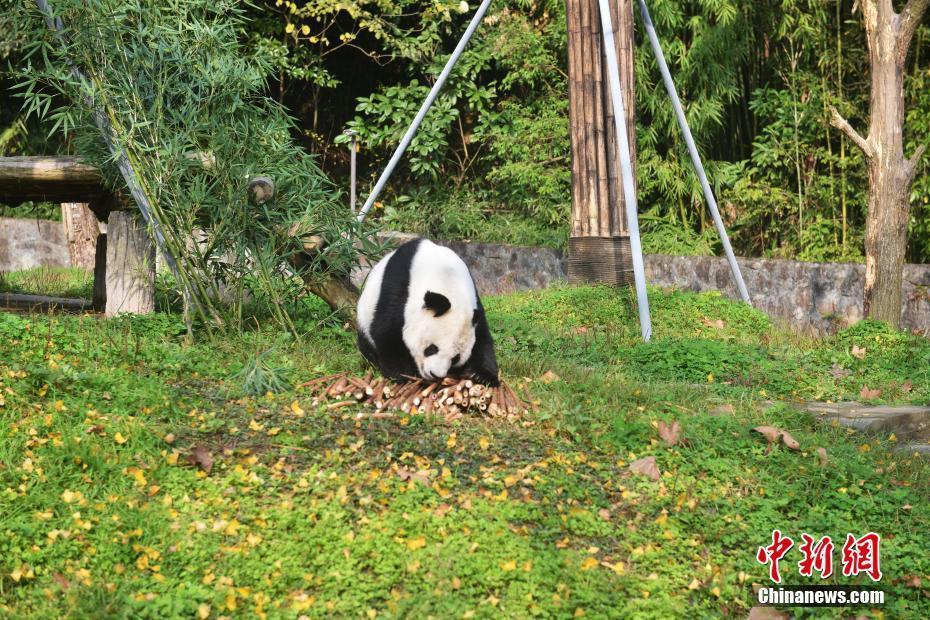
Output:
(430, 350)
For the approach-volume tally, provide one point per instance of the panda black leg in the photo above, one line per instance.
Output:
(367, 349)
(483, 362)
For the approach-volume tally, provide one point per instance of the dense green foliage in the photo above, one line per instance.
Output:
(184, 101)
(491, 161)
(325, 512)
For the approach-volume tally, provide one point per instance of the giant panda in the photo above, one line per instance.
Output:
(419, 315)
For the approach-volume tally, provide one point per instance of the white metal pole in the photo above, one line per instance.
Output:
(626, 171)
(412, 130)
(692, 149)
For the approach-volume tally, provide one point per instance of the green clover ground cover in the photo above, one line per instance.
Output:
(307, 511)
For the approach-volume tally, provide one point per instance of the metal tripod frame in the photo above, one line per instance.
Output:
(626, 164)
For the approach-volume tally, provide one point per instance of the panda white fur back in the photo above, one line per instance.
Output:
(419, 314)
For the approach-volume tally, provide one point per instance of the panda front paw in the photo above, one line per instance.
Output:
(486, 379)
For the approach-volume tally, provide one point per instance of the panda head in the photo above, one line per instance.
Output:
(441, 336)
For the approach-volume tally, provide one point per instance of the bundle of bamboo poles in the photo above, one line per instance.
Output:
(449, 397)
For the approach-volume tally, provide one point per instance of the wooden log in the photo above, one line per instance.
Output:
(100, 273)
(130, 270)
(261, 190)
(42, 303)
(81, 231)
(52, 179)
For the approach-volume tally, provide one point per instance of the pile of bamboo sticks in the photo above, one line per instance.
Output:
(449, 397)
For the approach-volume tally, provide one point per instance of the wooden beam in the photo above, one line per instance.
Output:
(100, 273)
(52, 179)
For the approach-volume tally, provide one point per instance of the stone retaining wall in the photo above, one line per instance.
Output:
(817, 297)
(25, 244)
(808, 297)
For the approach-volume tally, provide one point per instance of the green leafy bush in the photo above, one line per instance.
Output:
(185, 102)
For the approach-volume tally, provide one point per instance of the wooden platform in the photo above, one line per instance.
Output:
(124, 274)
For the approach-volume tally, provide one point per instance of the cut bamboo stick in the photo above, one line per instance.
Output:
(449, 397)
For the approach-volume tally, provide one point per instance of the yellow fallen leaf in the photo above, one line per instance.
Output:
(589, 563)
(450, 442)
(203, 611)
(255, 426)
(296, 408)
(694, 585)
(68, 496)
(508, 566)
(416, 543)
(118, 438)
(483, 443)
(138, 474)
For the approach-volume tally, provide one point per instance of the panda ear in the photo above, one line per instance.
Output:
(436, 302)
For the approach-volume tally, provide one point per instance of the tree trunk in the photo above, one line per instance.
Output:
(891, 174)
(81, 231)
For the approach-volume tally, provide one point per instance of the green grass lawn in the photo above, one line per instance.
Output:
(51, 281)
(313, 512)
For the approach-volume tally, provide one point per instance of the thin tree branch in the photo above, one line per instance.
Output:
(908, 21)
(843, 125)
(914, 162)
